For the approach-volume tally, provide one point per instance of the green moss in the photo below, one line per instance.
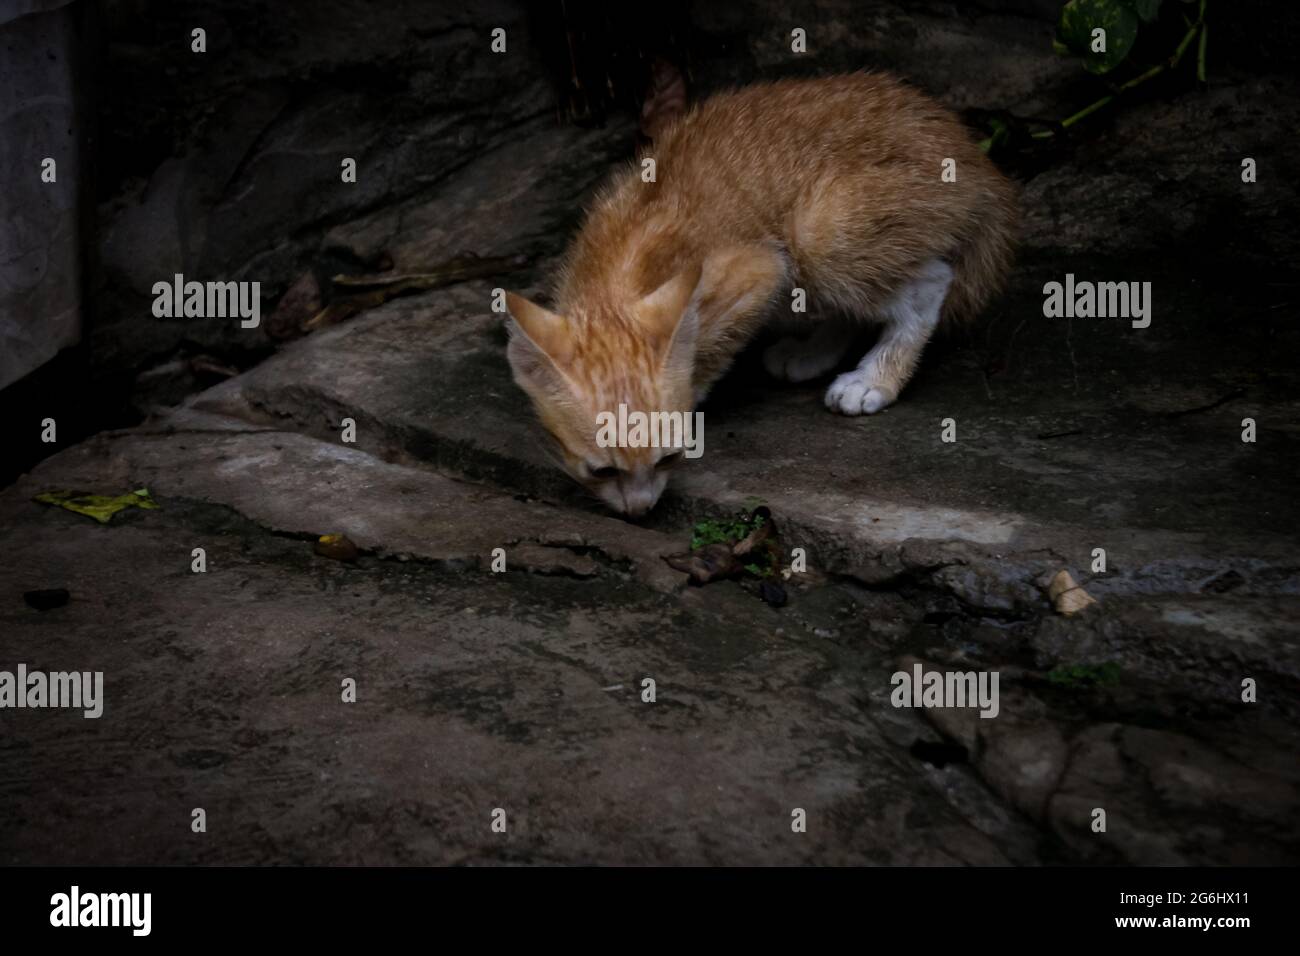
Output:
(764, 561)
(723, 532)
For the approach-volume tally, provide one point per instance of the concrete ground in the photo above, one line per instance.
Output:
(523, 690)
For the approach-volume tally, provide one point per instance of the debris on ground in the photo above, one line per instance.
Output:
(357, 293)
(733, 548)
(306, 306)
(337, 546)
(100, 507)
(296, 308)
(773, 592)
(1067, 597)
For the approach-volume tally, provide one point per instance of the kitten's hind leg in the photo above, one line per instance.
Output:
(911, 317)
(797, 360)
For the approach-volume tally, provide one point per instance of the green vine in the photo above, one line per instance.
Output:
(1102, 34)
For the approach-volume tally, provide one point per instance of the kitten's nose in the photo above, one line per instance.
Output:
(638, 502)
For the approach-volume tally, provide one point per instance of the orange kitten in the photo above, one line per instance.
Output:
(834, 186)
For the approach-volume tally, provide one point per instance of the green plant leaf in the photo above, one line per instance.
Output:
(1148, 10)
(1078, 20)
(713, 531)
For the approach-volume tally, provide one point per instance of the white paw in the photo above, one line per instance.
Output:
(854, 393)
(796, 360)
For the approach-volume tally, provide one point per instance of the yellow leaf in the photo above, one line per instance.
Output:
(100, 507)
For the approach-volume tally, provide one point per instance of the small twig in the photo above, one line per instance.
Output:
(206, 364)
(448, 273)
(361, 292)
(1076, 431)
(1071, 120)
(1210, 407)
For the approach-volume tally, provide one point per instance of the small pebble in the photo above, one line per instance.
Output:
(337, 546)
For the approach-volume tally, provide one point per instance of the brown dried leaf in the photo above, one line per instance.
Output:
(295, 308)
(1067, 597)
(709, 563)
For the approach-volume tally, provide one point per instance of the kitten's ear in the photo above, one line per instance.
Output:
(548, 331)
(538, 340)
(662, 311)
(670, 314)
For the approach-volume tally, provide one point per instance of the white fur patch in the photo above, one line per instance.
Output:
(911, 317)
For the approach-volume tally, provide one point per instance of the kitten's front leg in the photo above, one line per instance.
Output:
(794, 359)
(911, 318)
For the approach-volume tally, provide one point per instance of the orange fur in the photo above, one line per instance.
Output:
(829, 184)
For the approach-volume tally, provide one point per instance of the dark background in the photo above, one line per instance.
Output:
(209, 164)
(521, 690)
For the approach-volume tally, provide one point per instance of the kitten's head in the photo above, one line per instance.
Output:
(580, 367)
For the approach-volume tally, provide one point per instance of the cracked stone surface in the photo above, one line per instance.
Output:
(477, 690)
(523, 689)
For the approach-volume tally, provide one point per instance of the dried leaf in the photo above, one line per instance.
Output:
(709, 563)
(1067, 597)
(295, 308)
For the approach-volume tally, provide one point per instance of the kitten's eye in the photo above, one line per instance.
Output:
(668, 461)
(605, 474)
